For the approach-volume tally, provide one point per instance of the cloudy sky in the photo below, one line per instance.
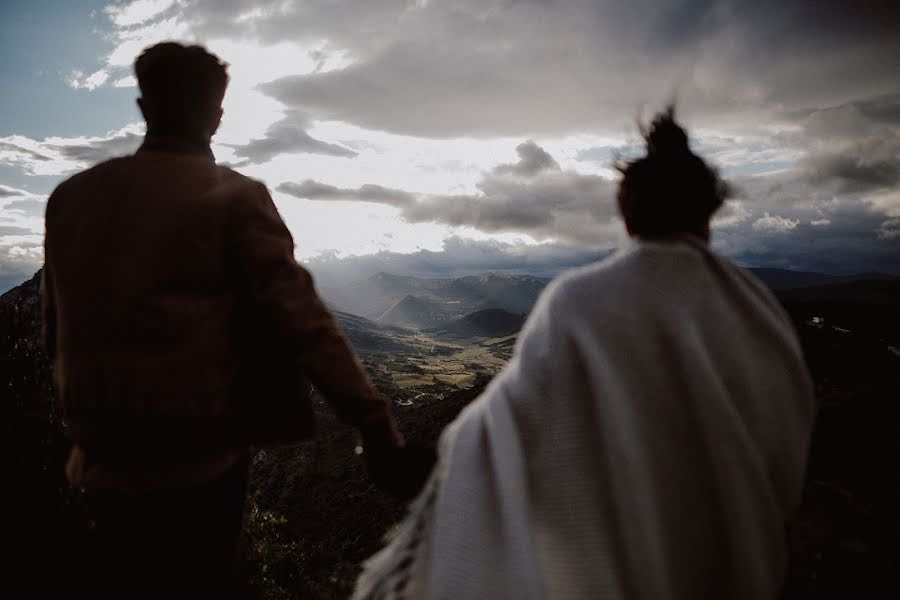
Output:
(439, 137)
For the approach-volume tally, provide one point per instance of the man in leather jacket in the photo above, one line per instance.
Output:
(165, 276)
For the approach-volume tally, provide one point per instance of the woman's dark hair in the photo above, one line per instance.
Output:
(182, 84)
(671, 189)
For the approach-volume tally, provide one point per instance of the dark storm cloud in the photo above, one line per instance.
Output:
(315, 190)
(5, 230)
(849, 243)
(27, 207)
(854, 171)
(484, 68)
(813, 86)
(532, 196)
(835, 208)
(498, 67)
(6, 192)
(457, 258)
(853, 148)
(784, 221)
(532, 160)
(287, 136)
(408, 89)
(15, 148)
(95, 151)
(885, 108)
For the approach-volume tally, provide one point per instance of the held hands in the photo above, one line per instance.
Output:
(397, 468)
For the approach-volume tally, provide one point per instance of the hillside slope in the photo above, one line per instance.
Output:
(314, 516)
(412, 311)
(488, 323)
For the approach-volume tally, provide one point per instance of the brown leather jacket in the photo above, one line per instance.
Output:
(170, 285)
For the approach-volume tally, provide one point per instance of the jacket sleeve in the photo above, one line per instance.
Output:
(263, 250)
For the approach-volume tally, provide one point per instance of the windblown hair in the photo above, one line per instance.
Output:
(182, 84)
(671, 189)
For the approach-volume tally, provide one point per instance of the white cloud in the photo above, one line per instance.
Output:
(136, 12)
(775, 224)
(127, 81)
(886, 202)
(731, 213)
(91, 82)
(249, 112)
(820, 222)
(363, 228)
(130, 42)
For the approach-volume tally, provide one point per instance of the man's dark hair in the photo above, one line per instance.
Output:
(671, 189)
(180, 85)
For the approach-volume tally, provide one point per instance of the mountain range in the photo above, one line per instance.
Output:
(430, 304)
(785, 279)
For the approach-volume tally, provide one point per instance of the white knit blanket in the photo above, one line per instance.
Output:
(647, 441)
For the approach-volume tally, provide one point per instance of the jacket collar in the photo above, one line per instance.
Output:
(176, 145)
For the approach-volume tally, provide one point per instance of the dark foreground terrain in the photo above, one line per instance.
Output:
(313, 516)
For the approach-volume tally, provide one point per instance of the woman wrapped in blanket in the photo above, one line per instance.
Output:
(648, 439)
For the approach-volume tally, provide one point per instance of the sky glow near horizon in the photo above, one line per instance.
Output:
(440, 138)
